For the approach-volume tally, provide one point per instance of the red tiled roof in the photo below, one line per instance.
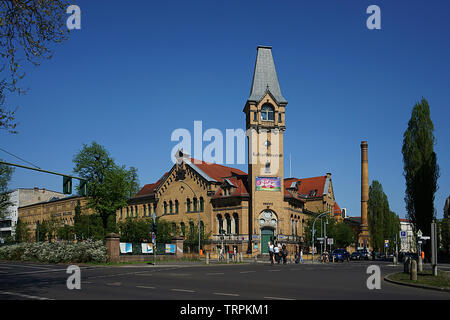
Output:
(240, 182)
(150, 188)
(336, 210)
(404, 220)
(216, 171)
(307, 185)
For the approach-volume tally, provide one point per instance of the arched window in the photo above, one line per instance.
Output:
(145, 210)
(188, 205)
(121, 213)
(170, 206)
(128, 212)
(202, 204)
(228, 218)
(174, 228)
(183, 228)
(195, 204)
(219, 224)
(165, 207)
(131, 211)
(267, 112)
(202, 227)
(136, 211)
(176, 206)
(236, 223)
(191, 228)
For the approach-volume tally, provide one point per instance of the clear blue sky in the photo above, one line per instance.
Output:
(138, 70)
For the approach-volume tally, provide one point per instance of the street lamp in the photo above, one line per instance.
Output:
(314, 231)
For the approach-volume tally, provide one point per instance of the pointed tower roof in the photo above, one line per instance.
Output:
(265, 77)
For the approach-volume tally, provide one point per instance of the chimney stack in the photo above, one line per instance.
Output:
(364, 236)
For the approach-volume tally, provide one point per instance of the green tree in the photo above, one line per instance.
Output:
(191, 236)
(342, 234)
(420, 169)
(21, 232)
(27, 31)
(383, 223)
(109, 185)
(5, 176)
(87, 226)
(445, 235)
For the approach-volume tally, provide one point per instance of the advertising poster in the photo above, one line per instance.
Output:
(147, 247)
(268, 184)
(126, 247)
(170, 248)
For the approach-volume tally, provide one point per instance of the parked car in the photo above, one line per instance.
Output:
(365, 254)
(340, 255)
(355, 256)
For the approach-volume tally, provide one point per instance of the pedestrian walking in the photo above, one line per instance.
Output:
(301, 255)
(221, 257)
(271, 252)
(284, 253)
(276, 252)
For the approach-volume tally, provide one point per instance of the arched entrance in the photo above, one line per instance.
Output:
(268, 222)
(267, 235)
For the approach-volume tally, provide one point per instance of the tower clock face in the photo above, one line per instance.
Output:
(268, 214)
(267, 143)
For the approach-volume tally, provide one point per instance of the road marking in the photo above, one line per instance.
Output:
(277, 298)
(212, 274)
(226, 294)
(246, 271)
(182, 290)
(145, 287)
(24, 295)
(273, 270)
(115, 284)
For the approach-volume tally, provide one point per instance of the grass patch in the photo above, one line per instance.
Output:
(442, 280)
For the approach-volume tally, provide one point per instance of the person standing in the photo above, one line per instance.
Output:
(301, 255)
(271, 252)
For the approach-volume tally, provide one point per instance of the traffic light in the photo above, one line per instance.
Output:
(83, 188)
(67, 185)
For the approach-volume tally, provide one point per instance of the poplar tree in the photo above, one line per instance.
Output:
(420, 170)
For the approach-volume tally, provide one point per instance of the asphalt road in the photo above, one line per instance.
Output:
(253, 281)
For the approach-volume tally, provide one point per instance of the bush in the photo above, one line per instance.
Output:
(87, 251)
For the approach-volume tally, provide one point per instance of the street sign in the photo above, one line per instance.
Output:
(425, 238)
(402, 234)
(419, 234)
(320, 239)
(330, 241)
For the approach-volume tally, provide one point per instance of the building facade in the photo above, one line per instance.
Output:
(61, 210)
(23, 197)
(242, 211)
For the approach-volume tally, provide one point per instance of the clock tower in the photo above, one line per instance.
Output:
(265, 124)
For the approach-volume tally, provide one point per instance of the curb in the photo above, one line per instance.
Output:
(421, 286)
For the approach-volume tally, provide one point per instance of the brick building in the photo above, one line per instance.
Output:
(242, 211)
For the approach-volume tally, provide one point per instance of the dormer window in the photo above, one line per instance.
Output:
(267, 112)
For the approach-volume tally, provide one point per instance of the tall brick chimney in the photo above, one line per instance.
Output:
(364, 235)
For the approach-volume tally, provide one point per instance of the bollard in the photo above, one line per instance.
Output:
(207, 258)
(420, 264)
(256, 259)
(406, 262)
(240, 254)
(228, 257)
(413, 270)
